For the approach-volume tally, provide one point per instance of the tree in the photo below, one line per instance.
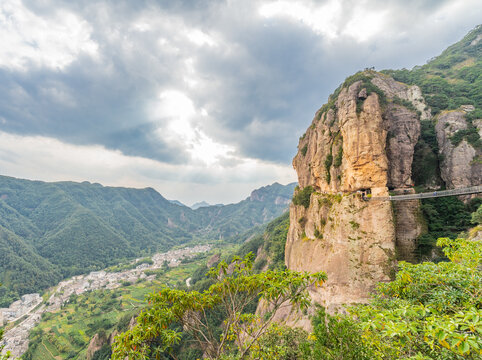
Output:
(338, 337)
(477, 216)
(430, 311)
(174, 312)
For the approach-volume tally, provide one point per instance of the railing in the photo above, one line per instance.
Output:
(433, 194)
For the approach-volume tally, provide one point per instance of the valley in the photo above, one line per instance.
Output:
(52, 231)
(24, 315)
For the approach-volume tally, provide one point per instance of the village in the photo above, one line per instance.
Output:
(28, 310)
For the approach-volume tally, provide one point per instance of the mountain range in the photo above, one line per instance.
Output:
(49, 231)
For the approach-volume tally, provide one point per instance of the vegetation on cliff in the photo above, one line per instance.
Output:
(425, 165)
(445, 217)
(302, 197)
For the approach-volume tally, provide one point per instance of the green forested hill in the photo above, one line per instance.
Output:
(236, 218)
(54, 230)
(451, 79)
(22, 269)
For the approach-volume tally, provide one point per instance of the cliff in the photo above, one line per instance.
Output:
(461, 164)
(381, 132)
(363, 139)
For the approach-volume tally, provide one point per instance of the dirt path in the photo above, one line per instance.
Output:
(46, 348)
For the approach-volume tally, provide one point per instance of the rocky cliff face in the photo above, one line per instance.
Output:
(97, 342)
(352, 240)
(461, 164)
(402, 114)
(364, 138)
(344, 149)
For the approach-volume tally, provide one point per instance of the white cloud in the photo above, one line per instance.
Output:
(200, 38)
(49, 159)
(366, 22)
(58, 93)
(331, 19)
(31, 40)
(141, 26)
(321, 19)
(181, 127)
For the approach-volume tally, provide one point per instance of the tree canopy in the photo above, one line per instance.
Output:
(173, 312)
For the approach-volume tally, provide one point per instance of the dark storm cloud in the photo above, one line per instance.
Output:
(260, 84)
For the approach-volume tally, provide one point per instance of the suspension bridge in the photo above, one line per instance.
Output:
(426, 195)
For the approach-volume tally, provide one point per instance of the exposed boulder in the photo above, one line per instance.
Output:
(412, 93)
(363, 94)
(95, 345)
(213, 260)
(403, 134)
(361, 137)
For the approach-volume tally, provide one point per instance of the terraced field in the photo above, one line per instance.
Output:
(66, 333)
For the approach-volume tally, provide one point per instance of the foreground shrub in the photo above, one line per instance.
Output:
(430, 311)
(173, 313)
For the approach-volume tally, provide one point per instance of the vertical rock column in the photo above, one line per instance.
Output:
(403, 134)
(461, 165)
(352, 240)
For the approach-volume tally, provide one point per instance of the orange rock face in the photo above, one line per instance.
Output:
(363, 139)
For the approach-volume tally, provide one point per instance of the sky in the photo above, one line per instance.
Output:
(201, 100)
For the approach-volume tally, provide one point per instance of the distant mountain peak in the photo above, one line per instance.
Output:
(276, 192)
(200, 204)
(176, 202)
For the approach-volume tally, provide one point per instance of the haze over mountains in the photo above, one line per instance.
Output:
(49, 231)
(201, 204)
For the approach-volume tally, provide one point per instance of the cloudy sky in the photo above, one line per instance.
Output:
(202, 100)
